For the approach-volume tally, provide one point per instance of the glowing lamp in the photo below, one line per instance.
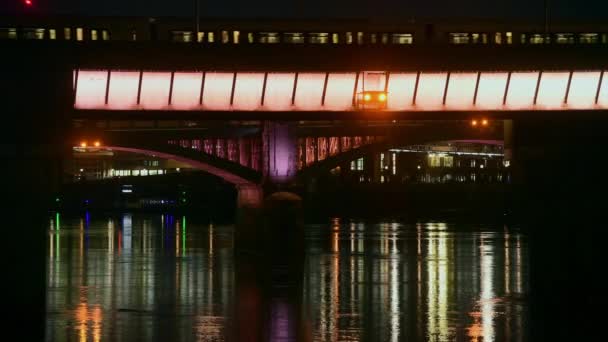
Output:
(83, 144)
(484, 122)
(474, 123)
(28, 2)
(97, 144)
(367, 97)
(382, 97)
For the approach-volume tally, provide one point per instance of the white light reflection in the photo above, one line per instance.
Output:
(437, 288)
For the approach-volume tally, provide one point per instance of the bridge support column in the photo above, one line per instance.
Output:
(280, 155)
(561, 183)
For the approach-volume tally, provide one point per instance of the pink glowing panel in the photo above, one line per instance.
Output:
(602, 100)
(461, 90)
(552, 90)
(521, 90)
(339, 94)
(248, 91)
(218, 87)
(309, 91)
(186, 90)
(400, 91)
(91, 91)
(155, 90)
(430, 91)
(583, 88)
(279, 90)
(491, 90)
(123, 90)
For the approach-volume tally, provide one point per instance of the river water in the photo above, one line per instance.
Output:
(129, 277)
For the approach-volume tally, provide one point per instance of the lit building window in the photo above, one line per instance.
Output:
(564, 38)
(473, 163)
(105, 35)
(318, 38)
(210, 37)
(349, 37)
(372, 38)
(225, 37)
(52, 34)
(236, 35)
(360, 38)
(402, 38)
(459, 38)
(394, 163)
(384, 38)
(588, 38)
(360, 164)
(335, 38)
(353, 165)
(475, 38)
(268, 37)
(94, 35)
(293, 37)
(67, 33)
(79, 34)
(509, 37)
(497, 38)
(381, 161)
(181, 36)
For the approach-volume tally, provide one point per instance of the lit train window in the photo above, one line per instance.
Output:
(349, 37)
(360, 38)
(268, 37)
(588, 38)
(384, 38)
(52, 34)
(33, 33)
(564, 38)
(335, 38)
(105, 35)
(293, 37)
(236, 35)
(498, 38)
(509, 37)
(67, 33)
(402, 38)
(200, 37)
(372, 38)
(181, 36)
(459, 38)
(318, 38)
(79, 34)
(538, 38)
(210, 37)
(250, 37)
(225, 37)
(94, 35)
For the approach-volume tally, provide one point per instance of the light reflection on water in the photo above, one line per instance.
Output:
(163, 277)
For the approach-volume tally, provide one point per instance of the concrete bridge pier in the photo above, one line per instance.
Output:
(561, 185)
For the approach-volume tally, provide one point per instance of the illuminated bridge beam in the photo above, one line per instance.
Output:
(337, 91)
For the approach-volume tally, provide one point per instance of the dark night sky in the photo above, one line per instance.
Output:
(525, 9)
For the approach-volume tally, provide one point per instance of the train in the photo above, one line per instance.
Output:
(301, 31)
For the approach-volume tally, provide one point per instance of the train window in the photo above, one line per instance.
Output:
(402, 38)
(250, 37)
(349, 37)
(538, 38)
(52, 34)
(225, 37)
(522, 38)
(604, 38)
(133, 35)
(105, 35)
(318, 38)
(484, 38)
(588, 38)
(384, 38)
(210, 37)
(94, 35)
(293, 37)
(268, 37)
(200, 37)
(181, 36)
(236, 35)
(33, 33)
(335, 38)
(498, 38)
(372, 38)
(564, 38)
(67, 33)
(8, 33)
(509, 37)
(360, 38)
(79, 34)
(459, 38)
